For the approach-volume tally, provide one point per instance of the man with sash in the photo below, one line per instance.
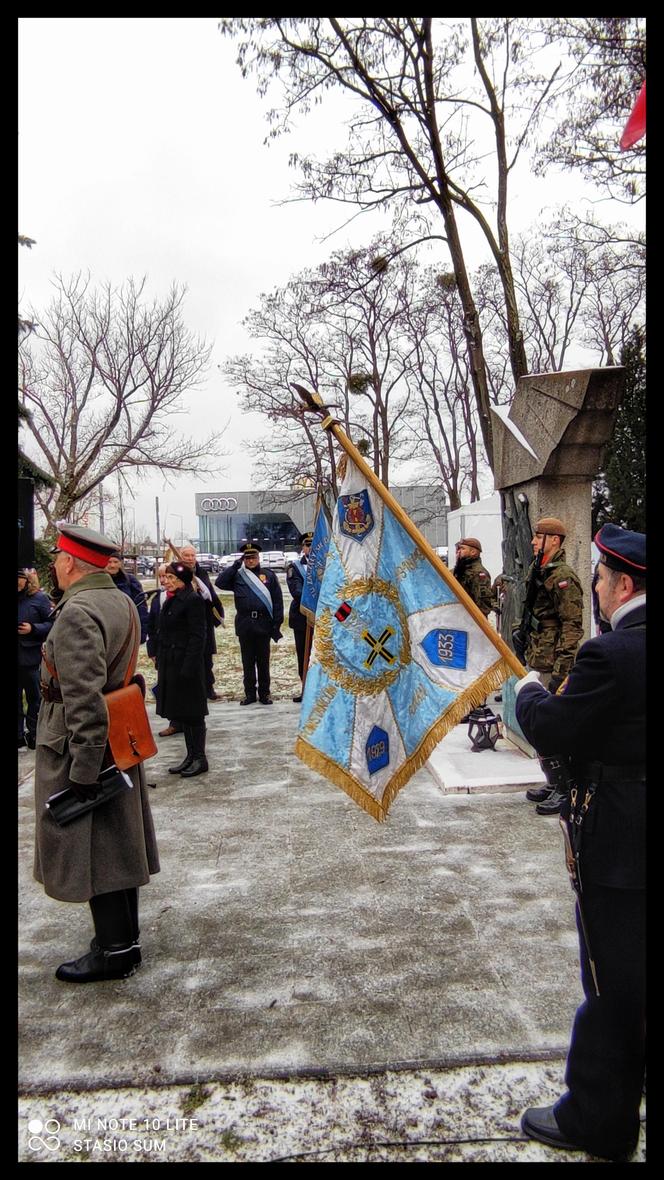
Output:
(296, 572)
(259, 613)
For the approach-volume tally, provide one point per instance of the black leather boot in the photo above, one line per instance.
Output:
(538, 794)
(114, 952)
(110, 962)
(131, 896)
(552, 805)
(199, 763)
(189, 756)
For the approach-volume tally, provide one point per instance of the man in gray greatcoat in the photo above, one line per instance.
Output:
(105, 855)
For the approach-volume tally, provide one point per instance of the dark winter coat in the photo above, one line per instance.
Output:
(34, 609)
(181, 690)
(152, 641)
(295, 583)
(212, 605)
(113, 847)
(599, 717)
(130, 585)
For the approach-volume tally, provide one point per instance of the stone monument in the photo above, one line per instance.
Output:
(548, 448)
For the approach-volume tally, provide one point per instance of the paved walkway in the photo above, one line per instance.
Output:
(289, 934)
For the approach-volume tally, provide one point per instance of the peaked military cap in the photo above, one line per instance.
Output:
(306, 538)
(471, 542)
(250, 547)
(551, 526)
(622, 549)
(85, 544)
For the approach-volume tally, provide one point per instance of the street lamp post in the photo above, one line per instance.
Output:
(181, 519)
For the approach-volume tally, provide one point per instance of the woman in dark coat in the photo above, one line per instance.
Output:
(181, 691)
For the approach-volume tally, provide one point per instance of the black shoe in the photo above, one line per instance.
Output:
(214, 696)
(266, 700)
(538, 794)
(30, 741)
(539, 1122)
(552, 805)
(198, 766)
(22, 743)
(297, 699)
(181, 765)
(98, 964)
(248, 701)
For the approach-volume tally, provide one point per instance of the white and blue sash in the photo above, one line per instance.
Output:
(258, 588)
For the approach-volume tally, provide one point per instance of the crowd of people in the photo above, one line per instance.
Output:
(583, 703)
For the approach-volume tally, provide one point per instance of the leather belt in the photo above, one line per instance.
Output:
(600, 772)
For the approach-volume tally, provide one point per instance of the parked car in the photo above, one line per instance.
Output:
(209, 562)
(273, 559)
(227, 560)
(290, 555)
(145, 566)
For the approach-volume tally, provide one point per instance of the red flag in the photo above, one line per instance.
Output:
(635, 127)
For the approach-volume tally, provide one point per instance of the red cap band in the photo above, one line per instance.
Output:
(75, 549)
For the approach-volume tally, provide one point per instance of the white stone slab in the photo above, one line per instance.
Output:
(457, 769)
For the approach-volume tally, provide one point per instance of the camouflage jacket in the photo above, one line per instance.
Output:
(476, 581)
(557, 626)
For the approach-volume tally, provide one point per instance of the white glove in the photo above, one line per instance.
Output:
(530, 678)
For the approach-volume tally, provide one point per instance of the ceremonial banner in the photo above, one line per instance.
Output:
(398, 658)
(315, 565)
(635, 127)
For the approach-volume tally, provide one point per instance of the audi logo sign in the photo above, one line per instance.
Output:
(219, 504)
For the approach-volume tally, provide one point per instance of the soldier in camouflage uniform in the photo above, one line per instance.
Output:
(471, 574)
(556, 627)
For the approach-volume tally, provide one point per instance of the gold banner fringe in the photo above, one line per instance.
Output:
(490, 680)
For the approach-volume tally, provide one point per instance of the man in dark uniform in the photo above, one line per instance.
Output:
(472, 575)
(105, 855)
(130, 585)
(295, 575)
(554, 628)
(597, 722)
(259, 613)
(214, 613)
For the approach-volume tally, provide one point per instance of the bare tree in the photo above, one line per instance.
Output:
(443, 423)
(411, 145)
(336, 329)
(594, 99)
(102, 375)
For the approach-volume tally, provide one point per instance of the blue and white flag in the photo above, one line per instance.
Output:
(397, 658)
(315, 566)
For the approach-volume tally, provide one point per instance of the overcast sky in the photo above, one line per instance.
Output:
(141, 152)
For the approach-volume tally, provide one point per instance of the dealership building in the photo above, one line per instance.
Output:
(276, 519)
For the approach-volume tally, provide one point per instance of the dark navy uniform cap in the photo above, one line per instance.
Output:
(622, 549)
(250, 547)
(86, 544)
(306, 538)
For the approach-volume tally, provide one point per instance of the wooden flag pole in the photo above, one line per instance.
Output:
(331, 424)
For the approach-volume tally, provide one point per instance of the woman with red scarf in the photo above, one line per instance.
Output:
(181, 691)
